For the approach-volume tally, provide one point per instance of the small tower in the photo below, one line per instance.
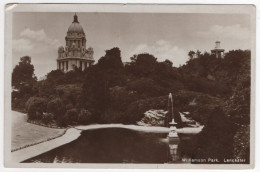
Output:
(219, 52)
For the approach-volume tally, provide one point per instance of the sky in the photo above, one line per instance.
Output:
(165, 35)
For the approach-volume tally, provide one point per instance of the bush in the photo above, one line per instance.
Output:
(35, 106)
(56, 107)
(85, 117)
(69, 106)
(71, 116)
(111, 116)
(70, 94)
(47, 118)
(146, 88)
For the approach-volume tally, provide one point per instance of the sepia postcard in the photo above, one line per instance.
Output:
(129, 86)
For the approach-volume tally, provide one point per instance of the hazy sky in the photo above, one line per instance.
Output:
(166, 36)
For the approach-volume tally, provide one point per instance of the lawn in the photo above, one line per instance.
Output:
(24, 133)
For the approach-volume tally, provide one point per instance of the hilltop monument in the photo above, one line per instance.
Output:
(219, 52)
(75, 53)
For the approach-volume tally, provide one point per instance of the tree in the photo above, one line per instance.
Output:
(112, 60)
(198, 53)
(85, 117)
(71, 116)
(56, 107)
(47, 117)
(56, 76)
(168, 63)
(191, 54)
(35, 107)
(143, 64)
(23, 74)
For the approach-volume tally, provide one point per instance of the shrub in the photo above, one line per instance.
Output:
(71, 116)
(47, 117)
(35, 106)
(146, 88)
(55, 107)
(69, 93)
(85, 117)
(111, 116)
(69, 106)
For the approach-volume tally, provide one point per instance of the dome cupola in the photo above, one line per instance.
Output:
(75, 53)
(75, 27)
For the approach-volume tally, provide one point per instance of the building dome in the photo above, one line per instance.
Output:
(75, 27)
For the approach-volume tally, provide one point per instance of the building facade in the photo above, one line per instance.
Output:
(75, 54)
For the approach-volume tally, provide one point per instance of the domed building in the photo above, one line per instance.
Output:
(75, 53)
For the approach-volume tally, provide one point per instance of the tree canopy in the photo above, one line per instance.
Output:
(23, 73)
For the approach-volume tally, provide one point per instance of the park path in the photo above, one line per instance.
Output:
(24, 133)
(32, 151)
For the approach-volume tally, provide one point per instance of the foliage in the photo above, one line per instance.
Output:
(35, 107)
(55, 107)
(143, 64)
(71, 116)
(85, 117)
(111, 60)
(215, 140)
(23, 74)
(47, 118)
(111, 92)
(146, 87)
(23, 83)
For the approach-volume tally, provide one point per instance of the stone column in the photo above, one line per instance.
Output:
(69, 65)
(78, 63)
(83, 66)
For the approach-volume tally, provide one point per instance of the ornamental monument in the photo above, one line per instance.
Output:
(75, 54)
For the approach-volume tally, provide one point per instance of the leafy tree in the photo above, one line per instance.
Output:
(35, 107)
(112, 60)
(95, 93)
(143, 64)
(146, 88)
(191, 54)
(47, 118)
(56, 77)
(71, 116)
(85, 117)
(56, 107)
(198, 53)
(98, 80)
(168, 63)
(23, 74)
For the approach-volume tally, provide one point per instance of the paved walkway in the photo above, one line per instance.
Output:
(32, 151)
(24, 133)
(131, 127)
